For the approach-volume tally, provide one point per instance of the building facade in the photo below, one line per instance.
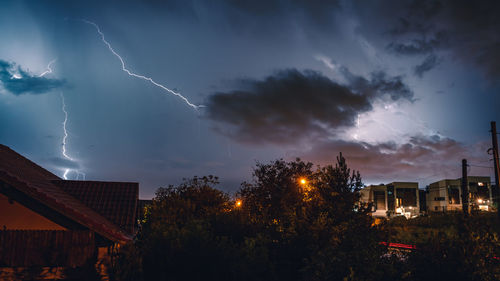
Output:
(393, 199)
(446, 195)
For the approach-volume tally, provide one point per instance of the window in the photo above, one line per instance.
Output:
(379, 200)
(453, 195)
(439, 199)
(479, 191)
(390, 197)
(483, 192)
(406, 196)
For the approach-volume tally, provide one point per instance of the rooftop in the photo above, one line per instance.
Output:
(94, 205)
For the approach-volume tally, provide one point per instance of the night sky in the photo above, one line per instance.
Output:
(404, 89)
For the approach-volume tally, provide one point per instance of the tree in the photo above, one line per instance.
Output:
(179, 239)
(294, 222)
(312, 226)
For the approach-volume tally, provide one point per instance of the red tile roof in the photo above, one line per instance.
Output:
(36, 182)
(116, 201)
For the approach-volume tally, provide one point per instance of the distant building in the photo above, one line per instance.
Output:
(422, 198)
(446, 195)
(393, 199)
(53, 223)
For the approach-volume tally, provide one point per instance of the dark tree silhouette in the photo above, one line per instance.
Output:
(293, 221)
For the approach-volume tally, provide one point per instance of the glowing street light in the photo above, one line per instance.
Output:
(238, 203)
(305, 189)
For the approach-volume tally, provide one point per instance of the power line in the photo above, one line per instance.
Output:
(479, 166)
(485, 161)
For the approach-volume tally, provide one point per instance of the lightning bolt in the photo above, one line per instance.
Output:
(65, 142)
(65, 137)
(65, 122)
(49, 70)
(124, 68)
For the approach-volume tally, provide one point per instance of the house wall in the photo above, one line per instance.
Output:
(16, 216)
(440, 190)
(437, 198)
(413, 186)
(383, 189)
(453, 184)
(368, 196)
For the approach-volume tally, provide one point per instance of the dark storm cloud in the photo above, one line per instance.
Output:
(315, 11)
(18, 82)
(312, 7)
(469, 29)
(421, 156)
(186, 164)
(292, 105)
(379, 85)
(419, 46)
(429, 63)
(410, 10)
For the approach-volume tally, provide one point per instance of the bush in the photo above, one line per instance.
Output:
(299, 223)
(284, 229)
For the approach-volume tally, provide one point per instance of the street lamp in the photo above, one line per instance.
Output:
(238, 203)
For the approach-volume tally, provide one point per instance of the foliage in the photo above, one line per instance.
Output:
(299, 222)
(311, 228)
(284, 229)
(184, 236)
(126, 264)
(451, 246)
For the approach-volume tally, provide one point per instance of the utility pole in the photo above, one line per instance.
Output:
(495, 162)
(465, 189)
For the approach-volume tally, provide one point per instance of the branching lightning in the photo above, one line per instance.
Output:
(124, 68)
(65, 142)
(49, 70)
(64, 151)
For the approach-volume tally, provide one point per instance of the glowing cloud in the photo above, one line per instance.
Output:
(18, 81)
(49, 70)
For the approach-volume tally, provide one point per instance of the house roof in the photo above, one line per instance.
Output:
(116, 201)
(36, 182)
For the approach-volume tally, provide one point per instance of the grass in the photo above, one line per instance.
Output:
(419, 230)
